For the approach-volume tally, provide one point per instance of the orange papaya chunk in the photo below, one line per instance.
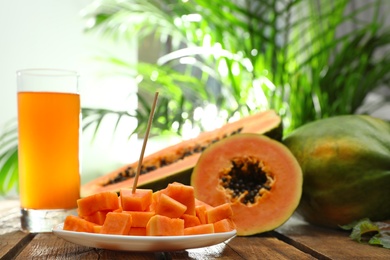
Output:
(169, 207)
(116, 224)
(201, 229)
(140, 200)
(183, 194)
(201, 203)
(119, 210)
(120, 201)
(101, 201)
(97, 228)
(98, 217)
(140, 218)
(224, 225)
(155, 199)
(190, 220)
(219, 212)
(75, 223)
(201, 213)
(159, 225)
(137, 231)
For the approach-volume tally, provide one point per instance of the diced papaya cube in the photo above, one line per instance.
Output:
(100, 201)
(164, 226)
(75, 223)
(150, 208)
(137, 231)
(201, 203)
(182, 193)
(116, 224)
(219, 212)
(98, 217)
(224, 225)
(190, 220)
(140, 218)
(97, 228)
(201, 213)
(155, 199)
(169, 207)
(119, 210)
(201, 229)
(140, 200)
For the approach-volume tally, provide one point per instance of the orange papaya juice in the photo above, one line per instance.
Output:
(49, 176)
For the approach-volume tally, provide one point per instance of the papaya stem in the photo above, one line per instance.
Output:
(141, 157)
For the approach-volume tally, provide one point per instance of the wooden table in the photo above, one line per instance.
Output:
(294, 240)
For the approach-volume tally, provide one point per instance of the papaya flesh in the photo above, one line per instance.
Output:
(175, 163)
(259, 177)
(346, 167)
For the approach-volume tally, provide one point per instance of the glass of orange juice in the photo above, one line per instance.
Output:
(49, 133)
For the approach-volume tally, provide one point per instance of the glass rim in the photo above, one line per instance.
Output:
(47, 72)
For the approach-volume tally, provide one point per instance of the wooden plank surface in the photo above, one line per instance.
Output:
(47, 246)
(294, 240)
(325, 243)
(12, 243)
(9, 216)
(51, 247)
(265, 246)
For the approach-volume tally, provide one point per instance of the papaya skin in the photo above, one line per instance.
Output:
(345, 162)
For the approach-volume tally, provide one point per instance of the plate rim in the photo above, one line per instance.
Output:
(65, 234)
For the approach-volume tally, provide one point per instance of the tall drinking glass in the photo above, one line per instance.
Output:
(49, 129)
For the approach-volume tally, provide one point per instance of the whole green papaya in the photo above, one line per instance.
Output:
(345, 162)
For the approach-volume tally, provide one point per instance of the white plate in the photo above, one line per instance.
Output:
(141, 243)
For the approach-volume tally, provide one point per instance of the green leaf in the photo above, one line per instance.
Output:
(293, 51)
(8, 157)
(367, 231)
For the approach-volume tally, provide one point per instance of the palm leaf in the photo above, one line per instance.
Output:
(242, 57)
(296, 45)
(8, 158)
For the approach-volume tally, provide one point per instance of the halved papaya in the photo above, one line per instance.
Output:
(175, 163)
(258, 176)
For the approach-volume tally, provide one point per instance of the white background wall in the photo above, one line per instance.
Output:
(47, 33)
(40, 33)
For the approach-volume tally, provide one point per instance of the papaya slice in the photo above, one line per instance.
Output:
(259, 177)
(175, 163)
